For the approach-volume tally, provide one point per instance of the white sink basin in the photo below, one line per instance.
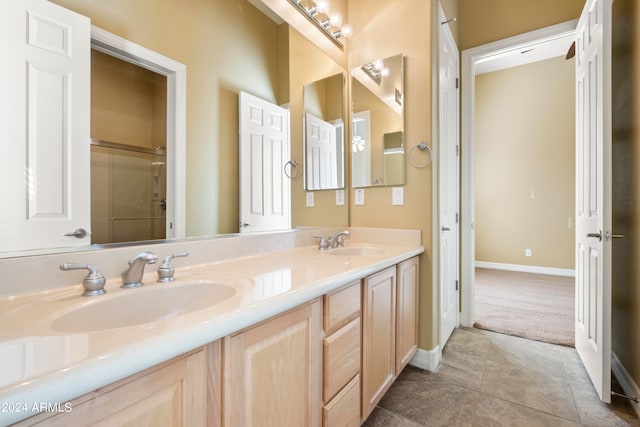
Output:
(137, 306)
(357, 251)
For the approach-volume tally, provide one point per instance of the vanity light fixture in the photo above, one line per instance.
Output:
(376, 70)
(317, 11)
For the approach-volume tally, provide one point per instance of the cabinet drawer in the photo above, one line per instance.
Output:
(341, 358)
(344, 409)
(341, 306)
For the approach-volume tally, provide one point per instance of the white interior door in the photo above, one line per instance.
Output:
(44, 117)
(321, 164)
(449, 178)
(265, 191)
(593, 193)
(361, 149)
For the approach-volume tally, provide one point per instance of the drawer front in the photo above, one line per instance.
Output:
(344, 409)
(340, 307)
(341, 358)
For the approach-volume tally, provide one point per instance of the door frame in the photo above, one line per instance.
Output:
(176, 74)
(470, 58)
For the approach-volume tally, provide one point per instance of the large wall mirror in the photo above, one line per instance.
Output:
(324, 134)
(377, 123)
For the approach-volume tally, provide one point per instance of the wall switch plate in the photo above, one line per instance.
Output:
(339, 197)
(397, 196)
(310, 199)
(359, 199)
(527, 252)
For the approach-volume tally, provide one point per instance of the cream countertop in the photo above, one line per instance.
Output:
(40, 364)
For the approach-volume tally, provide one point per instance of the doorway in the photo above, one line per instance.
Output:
(472, 60)
(165, 163)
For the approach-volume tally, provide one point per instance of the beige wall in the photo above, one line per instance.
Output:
(485, 21)
(375, 37)
(626, 184)
(525, 164)
(228, 46)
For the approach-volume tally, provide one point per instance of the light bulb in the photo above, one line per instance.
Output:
(378, 64)
(385, 72)
(346, 31)
(322, 6)
(336, 19)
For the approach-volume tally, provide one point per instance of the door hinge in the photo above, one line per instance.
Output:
(457, 150)
(456, 217)
(456, 286)
(457, 83)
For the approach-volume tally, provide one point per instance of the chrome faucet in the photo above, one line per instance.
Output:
(331, 242)
(337, 241)
(132, 276)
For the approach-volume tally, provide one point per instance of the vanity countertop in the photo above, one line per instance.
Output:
(41, 364)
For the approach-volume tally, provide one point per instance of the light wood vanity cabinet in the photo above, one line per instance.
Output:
(327, 362)
(341, 357)
(272, 372)
(406, 312)
(389, 328)
(378, 337)
(171, 394)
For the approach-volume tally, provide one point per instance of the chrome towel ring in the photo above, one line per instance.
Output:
(422, 146)
(292, 164)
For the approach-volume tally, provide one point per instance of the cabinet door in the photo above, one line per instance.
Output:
(273, 371)
(407, 312)
(378, 337)
(172, 395)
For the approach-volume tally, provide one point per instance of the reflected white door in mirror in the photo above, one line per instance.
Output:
(45, 144)
(265, 189)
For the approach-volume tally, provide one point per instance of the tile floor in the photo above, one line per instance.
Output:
(491, 379)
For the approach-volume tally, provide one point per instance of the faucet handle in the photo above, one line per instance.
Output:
(166, 270)
(324, 241)
(94, 281)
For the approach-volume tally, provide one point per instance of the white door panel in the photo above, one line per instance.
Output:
(449, 177)
(321, 154)
(593, 193)
(44, 117)
(265, 192)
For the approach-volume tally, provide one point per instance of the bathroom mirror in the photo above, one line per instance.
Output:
(324, 134)
(377, 123)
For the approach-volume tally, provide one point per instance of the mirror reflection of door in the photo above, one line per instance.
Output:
(360, 149)
(128, 151)
(321, 156)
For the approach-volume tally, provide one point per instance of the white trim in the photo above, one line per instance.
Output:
(176, 74)
(552, 271)
(467, 215)
(629, 387)
(426, 359)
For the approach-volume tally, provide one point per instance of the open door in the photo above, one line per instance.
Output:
(265, 190)
(593, 193)
(449, 181)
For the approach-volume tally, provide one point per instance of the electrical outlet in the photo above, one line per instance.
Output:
(359, 199)
(339, 197)
(310, 199)
(527, 252)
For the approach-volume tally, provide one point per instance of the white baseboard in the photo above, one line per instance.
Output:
(527, 268)
(629, 387)
(426, 359)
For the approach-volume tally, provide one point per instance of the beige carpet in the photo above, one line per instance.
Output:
(534, 306)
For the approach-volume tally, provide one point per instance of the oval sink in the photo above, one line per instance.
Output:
(138, 306)
(357, 251)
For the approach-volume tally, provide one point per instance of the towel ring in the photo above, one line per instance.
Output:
(420, 146)
(292, 164)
